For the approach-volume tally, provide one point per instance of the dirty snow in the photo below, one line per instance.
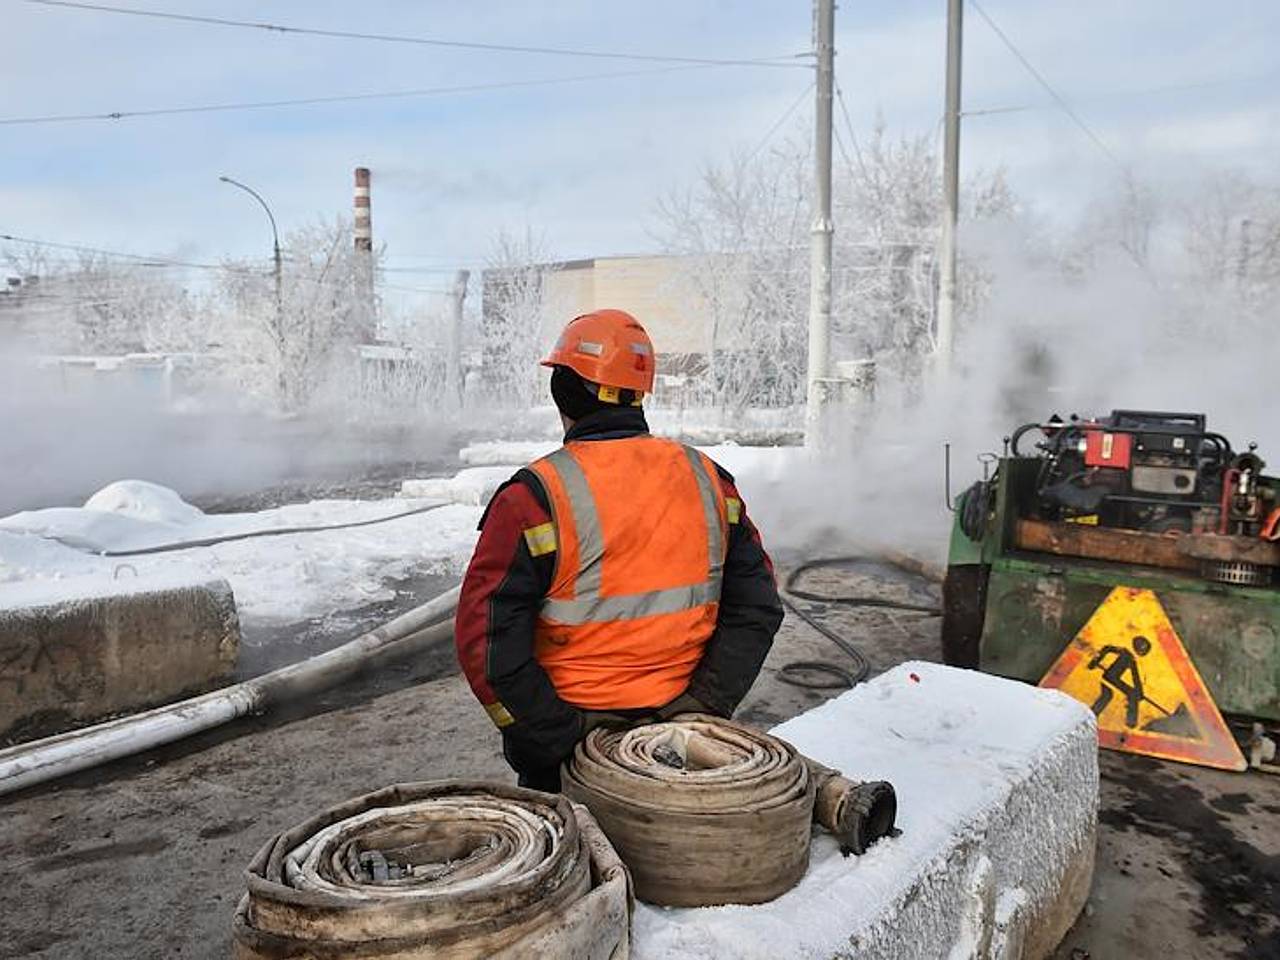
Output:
(282, 578)
(997, 787)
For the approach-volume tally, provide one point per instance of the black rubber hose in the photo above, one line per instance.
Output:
(829, 675)
(250, 534)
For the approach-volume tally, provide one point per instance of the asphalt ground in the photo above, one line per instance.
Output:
(143, 858)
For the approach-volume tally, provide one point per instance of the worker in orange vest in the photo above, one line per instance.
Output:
(618, 579)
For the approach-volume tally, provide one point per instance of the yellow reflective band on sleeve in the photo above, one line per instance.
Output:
(609, 394)
(499, 714)
(540, 539)
(733, 507)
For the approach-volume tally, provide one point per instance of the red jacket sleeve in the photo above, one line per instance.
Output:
(494, 631)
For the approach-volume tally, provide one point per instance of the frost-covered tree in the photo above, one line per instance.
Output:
(1230, 230)
(92, 304)
(296, 348)
(739, 230)
(513, 305)
(743, 228)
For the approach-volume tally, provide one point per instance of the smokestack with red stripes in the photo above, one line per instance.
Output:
(364, 223)
(365, 303)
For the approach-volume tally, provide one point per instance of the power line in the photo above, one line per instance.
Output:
(779, 122)
(421, 41)
(144, 260)
(341, 98)
(1057, 97)
(1112, 95)
(853, 137)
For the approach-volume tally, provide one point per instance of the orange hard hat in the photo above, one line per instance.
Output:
(608, 347)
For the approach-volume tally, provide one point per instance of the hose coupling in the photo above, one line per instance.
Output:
(857, 814)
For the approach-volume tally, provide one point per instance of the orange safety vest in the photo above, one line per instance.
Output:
(640, 527)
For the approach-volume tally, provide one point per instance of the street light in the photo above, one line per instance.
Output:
(275, 250)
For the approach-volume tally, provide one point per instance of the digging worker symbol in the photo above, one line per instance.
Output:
(615, 580)
(1121, 675)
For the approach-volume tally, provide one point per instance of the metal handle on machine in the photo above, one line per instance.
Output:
(946, 470)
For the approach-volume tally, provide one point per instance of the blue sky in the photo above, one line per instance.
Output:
(1172, 87)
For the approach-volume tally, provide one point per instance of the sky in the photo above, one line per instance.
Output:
(1170, 88)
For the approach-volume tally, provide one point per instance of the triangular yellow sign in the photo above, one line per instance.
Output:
(1129, 666)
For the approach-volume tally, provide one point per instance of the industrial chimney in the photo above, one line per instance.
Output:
(365, 304)
(364, 224)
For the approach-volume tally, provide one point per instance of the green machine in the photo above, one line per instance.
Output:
(1141, 507)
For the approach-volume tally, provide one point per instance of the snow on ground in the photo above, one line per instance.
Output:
(997, 787)
(288, 577)
(292, 577)
(506, 452)
(473, 485)
(749, 465)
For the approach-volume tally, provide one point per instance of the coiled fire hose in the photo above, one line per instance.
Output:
(447, 870)
(706, 811)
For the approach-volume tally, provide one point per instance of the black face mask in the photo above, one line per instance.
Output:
(576, 397)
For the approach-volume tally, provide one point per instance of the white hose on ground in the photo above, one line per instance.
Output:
(29, 764)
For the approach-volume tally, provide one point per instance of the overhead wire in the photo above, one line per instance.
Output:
(145, 260)
(1057, 97)
(848, 123)
(279, 28)
(1117, 94)
(764, 141)
(338, 98)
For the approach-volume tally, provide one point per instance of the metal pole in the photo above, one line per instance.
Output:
(456, 383)
(275, 255)
(823, 228)
(950, 188)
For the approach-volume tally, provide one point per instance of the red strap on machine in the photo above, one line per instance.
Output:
(1271, 529)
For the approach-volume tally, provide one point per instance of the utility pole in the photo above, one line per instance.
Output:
(950, 188)
(1242, 262)
(824, 16)
(455, 382)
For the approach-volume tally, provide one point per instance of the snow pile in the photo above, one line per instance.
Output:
(998, 789)
(143, 501)
(473, 485)
(281, 578)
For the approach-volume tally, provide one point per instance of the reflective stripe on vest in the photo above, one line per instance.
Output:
(588, 606)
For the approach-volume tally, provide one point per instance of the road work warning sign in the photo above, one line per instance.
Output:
(1129, 666)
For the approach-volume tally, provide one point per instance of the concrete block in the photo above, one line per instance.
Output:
(998, 796)
(76, 650)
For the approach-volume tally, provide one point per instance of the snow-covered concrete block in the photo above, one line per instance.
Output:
(81, 648)
(473, 486)
(997, 788)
